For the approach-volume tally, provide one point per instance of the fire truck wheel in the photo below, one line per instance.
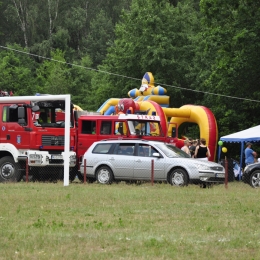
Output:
(73, 173)
(104, 175)
(9, 171)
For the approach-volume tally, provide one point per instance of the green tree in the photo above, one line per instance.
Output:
(229, 46)
(53, 76)
(80, 86)
(153, 36)
(101, 36)
(43, 26)
(2, 22)
(17, 71)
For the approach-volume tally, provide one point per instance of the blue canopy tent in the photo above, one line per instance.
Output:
(249, 135)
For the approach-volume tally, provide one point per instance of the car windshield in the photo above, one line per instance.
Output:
(171, 151)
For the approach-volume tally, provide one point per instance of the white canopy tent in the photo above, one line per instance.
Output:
(249, 135)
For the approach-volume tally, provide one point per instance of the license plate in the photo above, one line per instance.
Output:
(220, 175)
(57, 157)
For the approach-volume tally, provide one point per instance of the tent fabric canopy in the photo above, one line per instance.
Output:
(249, 135)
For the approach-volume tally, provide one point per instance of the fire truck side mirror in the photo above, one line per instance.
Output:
(21, 112)
(21, 116)
(35, 108)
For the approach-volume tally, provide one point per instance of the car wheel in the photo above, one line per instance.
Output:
(104, 175)
(255, 179)
(9, 171)
(178, 177)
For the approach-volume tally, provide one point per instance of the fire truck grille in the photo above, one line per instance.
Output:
(51, 140)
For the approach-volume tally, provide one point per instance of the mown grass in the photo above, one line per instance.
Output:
(120, 221)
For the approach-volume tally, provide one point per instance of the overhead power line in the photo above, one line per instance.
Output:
(127, 77)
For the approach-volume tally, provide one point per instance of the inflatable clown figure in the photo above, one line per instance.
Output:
(147, 82)
(147, 87)
(126, 105)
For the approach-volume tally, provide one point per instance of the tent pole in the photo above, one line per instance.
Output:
(241, 159)
(219, 152)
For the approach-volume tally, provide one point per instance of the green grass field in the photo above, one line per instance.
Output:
(120, 221)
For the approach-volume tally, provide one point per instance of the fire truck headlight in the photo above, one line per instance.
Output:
(73, 159)
(35, 158)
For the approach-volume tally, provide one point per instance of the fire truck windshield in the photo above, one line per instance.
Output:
(141, 127)
(50, 117)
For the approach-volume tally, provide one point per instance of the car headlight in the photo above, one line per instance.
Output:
(202, 167)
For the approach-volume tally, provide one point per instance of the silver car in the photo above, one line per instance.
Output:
(136, 159)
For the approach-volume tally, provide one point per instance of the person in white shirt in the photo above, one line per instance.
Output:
(185, 148)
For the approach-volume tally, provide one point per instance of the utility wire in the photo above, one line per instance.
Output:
(123, 76)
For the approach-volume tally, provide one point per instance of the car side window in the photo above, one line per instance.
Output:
(146, 150)
(125, 149)
(102, 148)
(152, 150)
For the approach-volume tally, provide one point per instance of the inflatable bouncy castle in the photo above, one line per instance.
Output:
(151, 99)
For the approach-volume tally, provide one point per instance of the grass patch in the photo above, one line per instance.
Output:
(119, 221)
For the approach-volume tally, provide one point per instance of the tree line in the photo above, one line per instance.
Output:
(203, 52)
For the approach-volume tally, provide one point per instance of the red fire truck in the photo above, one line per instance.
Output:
(32, 134)
(23, 138)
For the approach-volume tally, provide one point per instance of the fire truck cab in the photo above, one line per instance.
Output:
(24, 137)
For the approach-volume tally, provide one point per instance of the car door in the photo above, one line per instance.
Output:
(143, 164)
(122, 161)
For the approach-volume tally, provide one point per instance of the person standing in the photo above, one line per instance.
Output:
(249, 154)
(193, 148)
(202, 151)
(185, 148)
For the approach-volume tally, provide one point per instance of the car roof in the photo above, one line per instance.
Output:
(128, 140)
